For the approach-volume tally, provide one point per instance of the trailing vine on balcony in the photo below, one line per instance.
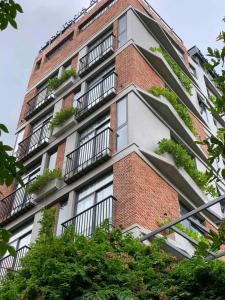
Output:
(61, 116)
(184, 160)
(42, 180)
(172, 98)
(185, 81)
(54, 83)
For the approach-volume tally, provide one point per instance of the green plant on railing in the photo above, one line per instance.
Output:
(61, 116)
(54, 83)
(184, 160)
(191, 233)
(185, 81)
(172, 98)
(42, 180)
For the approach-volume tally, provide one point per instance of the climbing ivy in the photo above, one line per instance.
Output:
(172, 98)
(184, 160)
(185, 81)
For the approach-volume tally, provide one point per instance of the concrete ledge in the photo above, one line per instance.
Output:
(169, 114)
(57, 131)
(65, 86)
(50, 188)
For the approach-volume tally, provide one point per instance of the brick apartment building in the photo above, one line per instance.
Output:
(106, 150)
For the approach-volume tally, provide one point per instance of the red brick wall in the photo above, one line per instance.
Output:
(200, 132)
(68, 101)
(60, 155)
(143, 197)
(131, 67)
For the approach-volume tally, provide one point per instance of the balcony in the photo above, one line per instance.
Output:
(93, 217)
(96, 96)
(10, 263)
(87, 156)
(34, 142)
(37, 103)
(15, 204)
(95, 56)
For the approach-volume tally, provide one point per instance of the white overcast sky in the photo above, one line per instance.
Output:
(195, 21)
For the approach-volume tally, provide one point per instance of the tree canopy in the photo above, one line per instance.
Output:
(8, 13)
(108, 266)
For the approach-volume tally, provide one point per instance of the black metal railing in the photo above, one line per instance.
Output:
(88, 154)
(38, 102)
(93, 217)
(96, 96)
(10, 263)
(34, 141)
(196, 226)
(104, 48)
(15, 203)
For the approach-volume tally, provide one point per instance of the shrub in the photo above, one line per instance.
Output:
(185, 81)
(108, 266)
(61, 116)
(54, 83)
(42, 180)
(184, 160)
(172, 98)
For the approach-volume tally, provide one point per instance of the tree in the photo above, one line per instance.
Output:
(216, 144)
(10, 169)
(108, 266)
(8, 13)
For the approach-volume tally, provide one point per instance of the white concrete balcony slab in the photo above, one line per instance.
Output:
(51, 187)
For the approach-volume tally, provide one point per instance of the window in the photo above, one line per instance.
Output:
(62, 216)
(38, 64)
(203, 109)
(193, 71)
(21, 237)
(40, 132)
(52, 161)
(76, 96)
(97, 192)
(122, 121)
(122, 30)
(19, 139)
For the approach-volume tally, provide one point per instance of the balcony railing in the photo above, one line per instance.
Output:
(88, 155)
(190, 217)
(38, 102)
(10, 263)
(96, 96)
(93, 217)
(34, 142)
(96, 55)
(15, 204)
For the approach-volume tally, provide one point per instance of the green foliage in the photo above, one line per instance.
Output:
(216, 144)
(185, 81)
(54, 83)
(184, 160)
(9, 166)
(8, 13)
(61, 116)
(4, 243)
(108, 266)
(42, 180)
(172, 98)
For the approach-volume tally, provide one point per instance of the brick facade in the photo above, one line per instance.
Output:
(143, 197)
(131, 67)
(60, 155)
(200, 132)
